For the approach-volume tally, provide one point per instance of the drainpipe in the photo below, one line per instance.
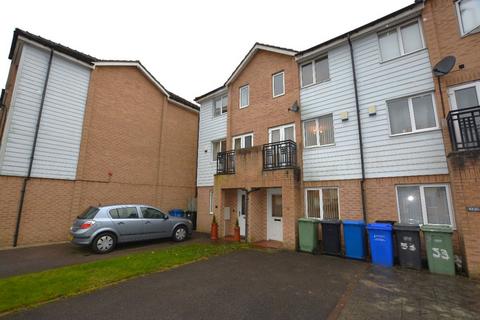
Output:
(32, 154)
(360, 140)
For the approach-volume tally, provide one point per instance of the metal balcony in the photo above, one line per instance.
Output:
(464, 128)
(226, 162)
(279, 155)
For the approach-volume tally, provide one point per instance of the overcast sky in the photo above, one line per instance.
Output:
(191, 47)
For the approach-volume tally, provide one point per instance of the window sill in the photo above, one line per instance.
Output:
(315, 84)
(320, 146)
(244, 106)
(220, 115)
(278, 96)
(414, 132)
(400, 56)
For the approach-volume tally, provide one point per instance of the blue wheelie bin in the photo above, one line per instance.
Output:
(354, 239)
(380, 236)
(177, 213)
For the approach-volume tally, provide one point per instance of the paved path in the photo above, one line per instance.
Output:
(266, 284)
(33, 259)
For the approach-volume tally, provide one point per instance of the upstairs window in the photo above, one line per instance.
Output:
(220, 106)
(400, 40)
(278, 84)
(244, 96)
(468, 12)
(218, 146)
(319, 131)
(243, 141)
(315, 71)
(412, 114)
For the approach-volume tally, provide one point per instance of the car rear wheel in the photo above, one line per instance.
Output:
(104, 243)
(180, 234)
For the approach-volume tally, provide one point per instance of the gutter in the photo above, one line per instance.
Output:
(359, 124)
(32, 154)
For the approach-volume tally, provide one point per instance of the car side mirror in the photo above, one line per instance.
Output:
(165, 217)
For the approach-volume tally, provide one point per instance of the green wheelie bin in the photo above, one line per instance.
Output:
(438, 241)
(308, 234)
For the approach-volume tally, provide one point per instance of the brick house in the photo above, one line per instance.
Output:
(452, 29)
(360, 115)
(108, 132)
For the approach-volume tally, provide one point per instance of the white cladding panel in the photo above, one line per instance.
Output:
(342, 160)
(59, 136)
(211, 129)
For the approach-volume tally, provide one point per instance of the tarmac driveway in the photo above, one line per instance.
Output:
(32, 259)
(262, 284)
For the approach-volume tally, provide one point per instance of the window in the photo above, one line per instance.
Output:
(322, 203)
(465, 96)
(468, 12)
(412, 114)
(278, 84)
(400, 40)
(319, 131)
(422, 204)
(244, 96)
(220, 106)
(218, 146)
(315, 71)
(210, 202)
(124, 213)
(151, 213)
(243, 141)
(282, 133)
(89, 213)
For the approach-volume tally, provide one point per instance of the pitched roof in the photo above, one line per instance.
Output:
(256, 47)
(95, 62)
(210, 93)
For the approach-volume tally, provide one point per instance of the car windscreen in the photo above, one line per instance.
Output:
(89, 213)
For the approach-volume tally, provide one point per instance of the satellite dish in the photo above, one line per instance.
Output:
(444, 66)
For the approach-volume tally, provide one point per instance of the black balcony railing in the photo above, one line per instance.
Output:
(226, 162)
(464, 128)
(279, 155)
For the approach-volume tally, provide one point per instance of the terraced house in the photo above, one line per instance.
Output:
(352, 128)
(78, 131)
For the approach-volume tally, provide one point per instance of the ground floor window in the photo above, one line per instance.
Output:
(422, 204)
(322, 203)
(210, 201)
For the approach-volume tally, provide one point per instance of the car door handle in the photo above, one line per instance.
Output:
(147, 222)
(120, 222)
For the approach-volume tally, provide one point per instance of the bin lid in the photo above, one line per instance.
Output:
(406, 227)
(309, 220)
(379, 226)
(330, 221)
(392, 222)
(354, 222)
(437, 228)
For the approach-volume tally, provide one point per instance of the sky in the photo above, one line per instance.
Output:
(191, 47)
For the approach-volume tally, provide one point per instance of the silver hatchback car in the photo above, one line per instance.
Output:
(103, 227)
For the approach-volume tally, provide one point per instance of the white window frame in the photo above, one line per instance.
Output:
(213, 105)
(282, 132)
(283, 84)
(215, 141)
(210, 202)
(319, 189)
(318, 145)
(423, 203)
(459, 19)
(240, 96)
(400, 39)
(314, 72)
(451, 92)
(242, 140)
(412, 115)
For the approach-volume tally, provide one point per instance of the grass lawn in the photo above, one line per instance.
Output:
(34, 288)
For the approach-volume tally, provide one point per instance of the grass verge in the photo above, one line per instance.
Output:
(34, 288)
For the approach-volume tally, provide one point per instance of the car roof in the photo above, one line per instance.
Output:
(113, 206)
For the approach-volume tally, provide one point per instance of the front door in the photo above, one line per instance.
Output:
(274, 214)
(241, 210)
(155, 223)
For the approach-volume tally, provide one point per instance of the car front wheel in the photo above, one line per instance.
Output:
(180, 234)
(104, 243)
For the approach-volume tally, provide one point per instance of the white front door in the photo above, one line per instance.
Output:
(274, 214)
(241, 208)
